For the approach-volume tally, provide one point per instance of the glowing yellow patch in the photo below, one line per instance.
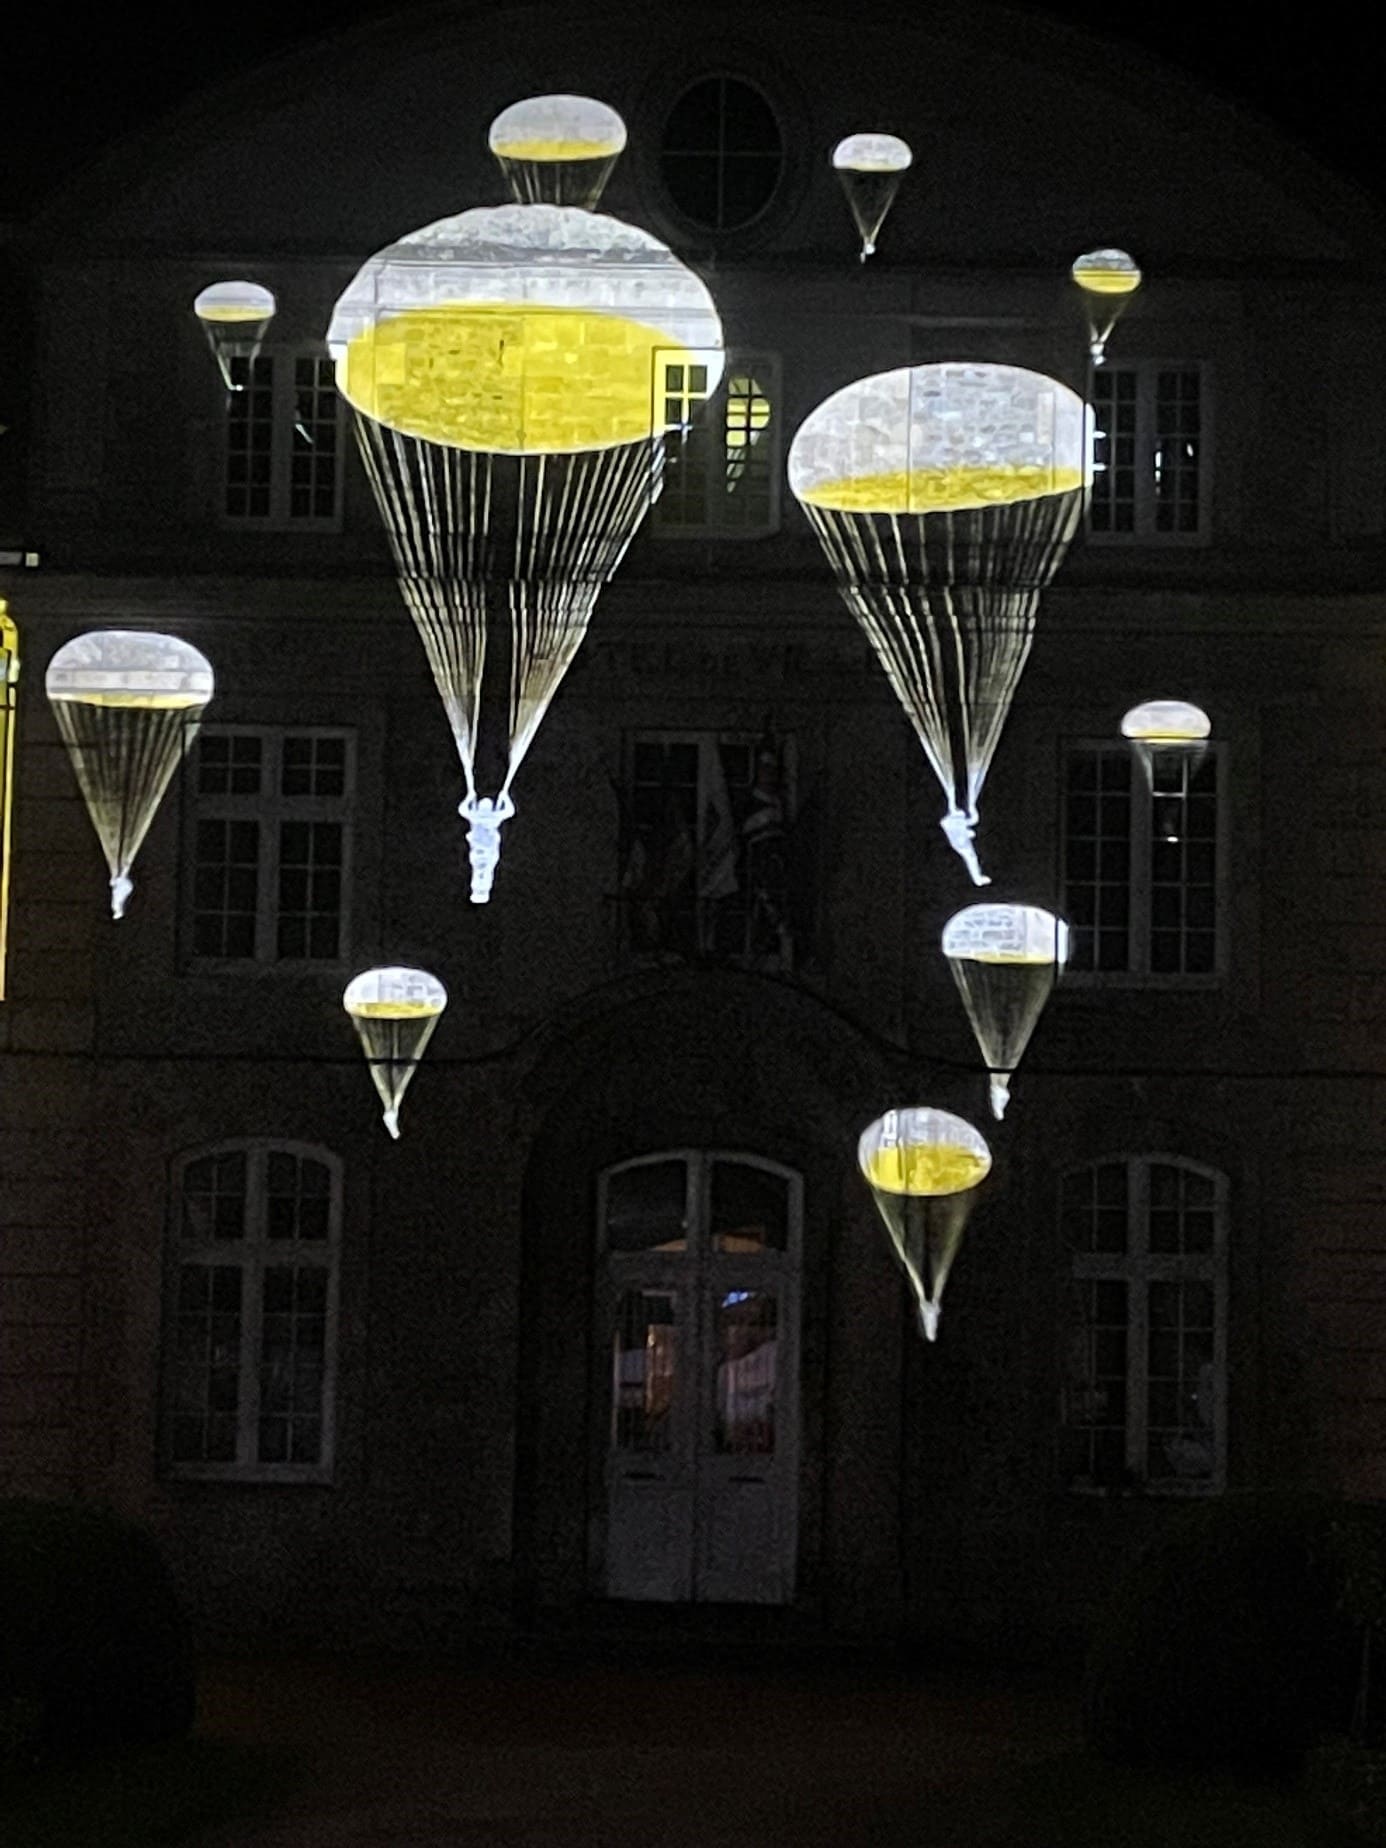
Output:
(1108, 281)
(1029, 959)
(232, 312)
(123, 696)
(942, 490)
(509, 378)
(926, 1169)
(556, 150)
(1143, 735)
(396, 1010)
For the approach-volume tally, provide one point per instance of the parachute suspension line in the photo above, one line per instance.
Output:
(124, 758)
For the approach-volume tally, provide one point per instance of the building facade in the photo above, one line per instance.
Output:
(611, 1338)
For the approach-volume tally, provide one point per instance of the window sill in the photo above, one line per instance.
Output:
(252, 1475)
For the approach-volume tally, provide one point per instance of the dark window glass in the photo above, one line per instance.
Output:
(722, 154)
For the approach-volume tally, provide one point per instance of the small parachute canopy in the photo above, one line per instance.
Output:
(557, 150)
(1166, 721)
(1005, 960)
(234, 317)
(870, 167)
(128, 704)
(394, 1011)
(1108, 279)
(922, 1165)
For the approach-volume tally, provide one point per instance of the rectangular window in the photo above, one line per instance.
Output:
(721, 457)
(250, 1338)
(1150, 454)
(1141, 862)
(284, 445)
(708, 852)
(1144, 1392)
(9, 674)
(270, 846)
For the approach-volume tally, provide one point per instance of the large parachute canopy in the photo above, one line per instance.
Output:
(501, 365)
(234, 317)
(557, 150)
(1005, 960)
(394, 1011)
(1108, 279)
(128, 704)
(870, 167)
(944, 497)
(922, 1165)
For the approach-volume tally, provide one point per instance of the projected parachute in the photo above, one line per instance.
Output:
(128, 704)
(1167, 728)
(557, 150)
(921, 1165)
(394, 1012)
(1108, 279)
(234, 316)
(944, 497)
(870, 168)
(1005, 960)
(501, 367)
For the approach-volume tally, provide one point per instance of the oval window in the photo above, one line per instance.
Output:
(722, 154)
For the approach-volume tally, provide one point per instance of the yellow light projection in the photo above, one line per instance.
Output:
(394, 1011)
(9, 676)
(870, 167)
(944, 498)
(557, 150)
(1005, 960)
(502, 365)
(922, 1166)
(1108, 279)
(128, 704)
(234, 317)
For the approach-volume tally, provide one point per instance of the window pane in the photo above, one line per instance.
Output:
(226, 885)
(310, 890)
(1094, 1208)
(1095, 1406)
(750, 1208)
(214, 1197)
(1181, 1411)
(1097, 845)
(644, 1371)
(206, 1364)
(297, 1197)
(747, 1345)
(292, 1359)
(646, 1207)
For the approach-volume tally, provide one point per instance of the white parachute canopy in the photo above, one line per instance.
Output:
(557, 150)
(922, 1165)
(1005, 960)
(128, 704)
(1167, 731)
(234, 317)
(502, 366)
(1108, 279)
(394, 1011)
(870, 167)
(944, 497)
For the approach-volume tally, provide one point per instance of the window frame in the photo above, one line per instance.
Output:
(251, 1255)
(1139, 893)
(283, 416)
(700, 228)
(269, 811)
(764, 369)
(1138, 1269)
(1144, 532)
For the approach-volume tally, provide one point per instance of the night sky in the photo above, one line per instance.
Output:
(71, 87)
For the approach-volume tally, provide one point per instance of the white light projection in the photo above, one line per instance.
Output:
(1005, 960)
(1108, 279)
(870, 168)
(501, 366)
(557, 150)
(128, 704)
(394, 1011)
(1167, 728)
(234, 317)
(944, 497)
(922, 1166)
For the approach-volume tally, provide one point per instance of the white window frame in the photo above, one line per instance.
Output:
(269, 809)
(1145, 532)
(1138, 973)
(252, 1254)
(1138, 1267)
(283, 416)
(763, 369)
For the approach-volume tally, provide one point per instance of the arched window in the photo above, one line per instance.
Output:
(1144, 1398)
(251, 1312)
(9, 674)
(722, 154)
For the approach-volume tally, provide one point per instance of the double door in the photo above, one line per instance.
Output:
(698, 1344)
